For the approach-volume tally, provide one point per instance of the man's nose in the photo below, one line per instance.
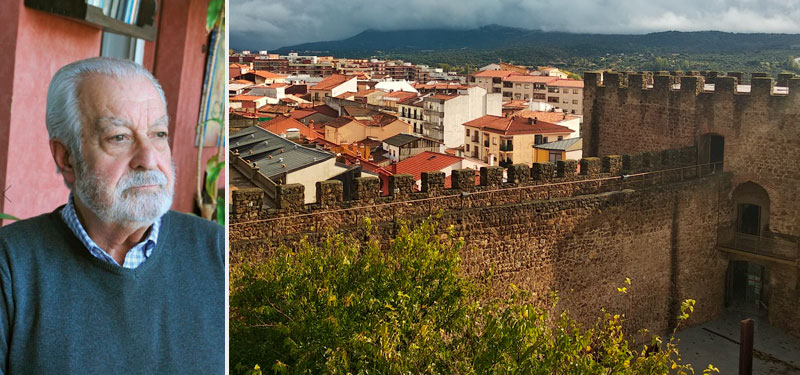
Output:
(145, 155)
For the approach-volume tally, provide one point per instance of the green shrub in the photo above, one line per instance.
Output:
(350, 307)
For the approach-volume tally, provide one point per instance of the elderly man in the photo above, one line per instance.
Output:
(112, 282)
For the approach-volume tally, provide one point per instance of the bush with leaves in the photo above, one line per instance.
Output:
(351, 307)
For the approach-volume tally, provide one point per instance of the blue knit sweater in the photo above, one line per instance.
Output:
(62, 311)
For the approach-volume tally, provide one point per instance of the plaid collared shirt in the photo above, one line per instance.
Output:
(135, 256)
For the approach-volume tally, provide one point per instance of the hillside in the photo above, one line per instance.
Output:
(670, 50)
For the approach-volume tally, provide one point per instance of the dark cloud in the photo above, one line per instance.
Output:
(269, 24)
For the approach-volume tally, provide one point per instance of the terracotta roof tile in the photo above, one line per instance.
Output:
(302, 113)
(426, 162)
(516, 125)
(268, 75)
(495, 73)
(443, 97)
(531, 79)
(245, 98)
(330, 82)
(340, 121)
(553, 117)
(572, 83)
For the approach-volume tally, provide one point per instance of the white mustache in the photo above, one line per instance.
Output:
(142, 178)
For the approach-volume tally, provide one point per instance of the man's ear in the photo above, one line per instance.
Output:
(64, 160)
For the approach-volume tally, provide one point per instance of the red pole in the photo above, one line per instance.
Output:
(746, 348)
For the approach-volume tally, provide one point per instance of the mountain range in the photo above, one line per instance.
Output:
(496, 37)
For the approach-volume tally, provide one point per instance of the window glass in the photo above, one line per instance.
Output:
(122, 47)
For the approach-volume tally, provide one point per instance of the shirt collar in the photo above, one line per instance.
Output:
(135, 256)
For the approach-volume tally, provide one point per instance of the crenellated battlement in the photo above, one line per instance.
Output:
(561, 179)
(693, 82)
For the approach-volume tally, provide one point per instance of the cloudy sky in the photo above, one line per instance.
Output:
(269, 24)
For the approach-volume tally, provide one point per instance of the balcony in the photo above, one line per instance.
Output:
(506, 147)
(433, 113)
(775, 249)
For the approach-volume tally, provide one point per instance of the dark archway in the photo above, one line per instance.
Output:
(752, 209)
(711, 149)
(746, 287)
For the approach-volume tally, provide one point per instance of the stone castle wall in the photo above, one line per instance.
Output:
(547, 228)
(628, 113)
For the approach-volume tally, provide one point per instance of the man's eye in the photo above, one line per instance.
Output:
(118, 138)
(163, 135)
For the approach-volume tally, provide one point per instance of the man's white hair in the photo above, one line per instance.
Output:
(63, 109)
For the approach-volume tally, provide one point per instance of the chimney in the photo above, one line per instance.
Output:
(535, 120)
(394, 167)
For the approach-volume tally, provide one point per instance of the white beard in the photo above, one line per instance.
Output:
(121, 205)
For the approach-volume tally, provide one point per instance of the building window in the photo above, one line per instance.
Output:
(574, 91)
(467, 132)
(552, 89)
(537, 139)
(560, 137)
(552, 99)
(555, 156)
(527, 96)
(516, 96)
(494, 140)
(517, 85)
(507, 94)
(496, 90)
(508, 85)
(575, 101)
(527, 86)
(467, 147)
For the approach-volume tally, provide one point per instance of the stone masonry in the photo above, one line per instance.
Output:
(627, 113)
(579, 234)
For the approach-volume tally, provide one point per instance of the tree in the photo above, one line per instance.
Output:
(349, 306)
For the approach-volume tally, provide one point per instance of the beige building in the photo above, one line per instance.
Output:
(519, 87)
(348, 129)
(504, 141)
(566, 94)
(562, 94)
(490, 80)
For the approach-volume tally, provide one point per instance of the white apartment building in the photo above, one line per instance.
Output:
(444, 115)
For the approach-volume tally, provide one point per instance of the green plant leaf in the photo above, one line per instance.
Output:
(8, 217)
(221, 210)
(214, 7)
(213, 168)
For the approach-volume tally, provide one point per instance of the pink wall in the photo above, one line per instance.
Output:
(42, 43)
